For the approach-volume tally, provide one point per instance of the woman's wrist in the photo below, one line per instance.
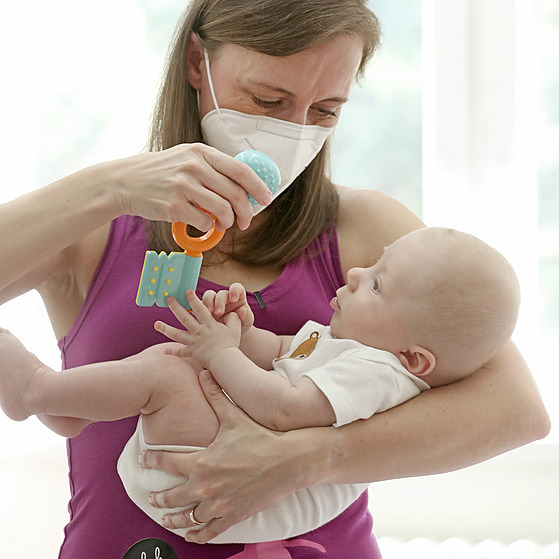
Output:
(93, 190)
(107, 181)
(313, 456)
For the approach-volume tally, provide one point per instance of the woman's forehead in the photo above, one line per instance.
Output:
(329, 68)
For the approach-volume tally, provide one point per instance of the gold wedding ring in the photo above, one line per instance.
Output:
(194, 519)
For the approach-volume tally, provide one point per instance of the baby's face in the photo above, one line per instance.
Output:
(373, 308)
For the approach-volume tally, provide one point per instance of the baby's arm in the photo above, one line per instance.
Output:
(266, 397)
(260, 346)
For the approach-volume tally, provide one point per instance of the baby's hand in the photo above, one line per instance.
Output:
(230, 300)
(205, 336)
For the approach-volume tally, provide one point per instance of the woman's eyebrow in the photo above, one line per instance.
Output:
(277, 89)
(266, 85)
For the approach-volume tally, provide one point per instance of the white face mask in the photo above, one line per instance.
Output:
(292, 146)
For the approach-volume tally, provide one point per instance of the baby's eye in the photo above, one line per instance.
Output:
(375, 284)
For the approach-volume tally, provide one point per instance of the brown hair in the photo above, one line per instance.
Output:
(276, 28)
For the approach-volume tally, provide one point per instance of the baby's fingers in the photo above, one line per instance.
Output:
(230, 299)
(237, 293)
(209, 300)
(222, 299)
(171, 332)
(184, 317)
(246, 316)
(201, 312)
(178, 350)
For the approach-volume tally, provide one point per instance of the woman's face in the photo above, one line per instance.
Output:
(308, 87)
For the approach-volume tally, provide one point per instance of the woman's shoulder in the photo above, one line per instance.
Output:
(368, 221)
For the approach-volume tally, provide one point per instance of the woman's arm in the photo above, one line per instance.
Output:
(170, 186)
(490, 412)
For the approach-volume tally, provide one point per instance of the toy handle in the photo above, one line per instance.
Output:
(195, 246)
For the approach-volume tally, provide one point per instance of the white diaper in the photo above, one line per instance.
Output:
(293, 515)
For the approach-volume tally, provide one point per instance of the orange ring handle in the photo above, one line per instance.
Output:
(195, 246)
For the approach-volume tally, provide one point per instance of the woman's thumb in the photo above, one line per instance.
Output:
(215, 396)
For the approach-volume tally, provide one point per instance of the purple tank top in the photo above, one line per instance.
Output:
(103, 521)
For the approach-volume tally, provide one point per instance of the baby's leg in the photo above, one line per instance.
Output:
(181, 415)
(20, 375)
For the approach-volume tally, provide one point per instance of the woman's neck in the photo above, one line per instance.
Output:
(221, 269)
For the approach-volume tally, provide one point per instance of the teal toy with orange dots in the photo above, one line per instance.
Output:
(165, 275)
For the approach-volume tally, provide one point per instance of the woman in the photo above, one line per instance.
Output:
(82, 247)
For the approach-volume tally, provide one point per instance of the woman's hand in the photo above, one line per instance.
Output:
(174, 184)
(245, 470)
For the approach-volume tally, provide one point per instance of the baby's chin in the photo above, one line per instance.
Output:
(335, 331)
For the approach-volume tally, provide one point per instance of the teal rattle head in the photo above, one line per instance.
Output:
(165, 275)
(264, 166)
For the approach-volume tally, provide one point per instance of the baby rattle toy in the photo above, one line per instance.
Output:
(172, 274)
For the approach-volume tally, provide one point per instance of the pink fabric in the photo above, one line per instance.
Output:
(103, 521)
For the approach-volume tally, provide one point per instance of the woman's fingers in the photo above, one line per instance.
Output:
(222, 406)
(174, 184)
(219, 184)
(211, 529)
(242, 175)
(171, 462)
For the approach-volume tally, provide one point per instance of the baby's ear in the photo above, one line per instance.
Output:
(417, 360)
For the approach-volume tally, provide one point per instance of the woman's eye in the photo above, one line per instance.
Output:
(326, 113)
(264, 103)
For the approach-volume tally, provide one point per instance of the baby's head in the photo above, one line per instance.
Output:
(442, 301)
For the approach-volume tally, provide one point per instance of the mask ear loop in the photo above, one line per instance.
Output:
(212, 92)
(210, 81)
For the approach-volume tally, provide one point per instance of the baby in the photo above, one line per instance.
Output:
(436, 306)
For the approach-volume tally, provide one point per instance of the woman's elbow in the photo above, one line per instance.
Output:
(531, 423)
(539, 424)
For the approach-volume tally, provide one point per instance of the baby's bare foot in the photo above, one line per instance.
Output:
(20, 377)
